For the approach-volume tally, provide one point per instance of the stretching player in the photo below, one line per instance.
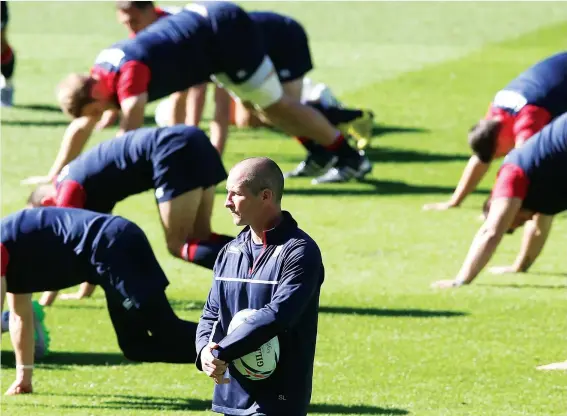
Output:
(288, 47)
(69, 245)
(8, 61)
(136, 16)
(532, 181)
(178, 163)
(215, 39)
(517, 112)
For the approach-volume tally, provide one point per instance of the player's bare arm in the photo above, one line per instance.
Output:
(22, 336)
(132, 112)
(74, 140)
(221, 119)
(536, 233)
(471, 177)
(502, 213)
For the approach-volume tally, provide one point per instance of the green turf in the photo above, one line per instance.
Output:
(388, 344)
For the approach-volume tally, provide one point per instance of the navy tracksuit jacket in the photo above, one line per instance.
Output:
(283, 284)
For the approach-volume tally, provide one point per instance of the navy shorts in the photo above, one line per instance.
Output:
(291, 55)
(4, 13)
(127, 268)
(238, 45)
(183, 162)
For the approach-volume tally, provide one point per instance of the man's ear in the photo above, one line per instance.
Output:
(48, 201)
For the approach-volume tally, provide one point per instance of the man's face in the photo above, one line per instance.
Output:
(521, 218)
(242, 203)
(134, 19)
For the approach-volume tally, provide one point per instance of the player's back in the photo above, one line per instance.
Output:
(114, 169)
(176, 49)
(544, 160)
(50, 245)
(544, 84)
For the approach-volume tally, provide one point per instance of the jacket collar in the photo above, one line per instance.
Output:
(274, 236)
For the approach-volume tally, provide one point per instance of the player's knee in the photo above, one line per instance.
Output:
(133, 352)
(175, 246)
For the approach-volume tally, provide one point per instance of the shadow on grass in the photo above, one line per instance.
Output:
(390, 154)
(57, 359)
(380, 187)
(124, 401)
(339, 409)
(408, 313)
(185, 305)
(48, 108)
(522, 286)
(35, 123)
(383, 129)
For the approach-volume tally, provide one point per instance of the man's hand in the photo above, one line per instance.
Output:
(20, 386)
(36, 180)
(213, 367)
(503, 270)
(440, 206)
(445, 284)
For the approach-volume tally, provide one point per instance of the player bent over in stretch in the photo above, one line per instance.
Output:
(288, 47)
(68, 246)
(532, 181)
(214, 39)
(178, 163)
(519, 111)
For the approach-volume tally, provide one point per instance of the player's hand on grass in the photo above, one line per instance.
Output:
(72, 296)
(439, 206)
(108, 119)
(19, 386)
(36, 180)
(445, 284)
(503, 270)
(213, 367)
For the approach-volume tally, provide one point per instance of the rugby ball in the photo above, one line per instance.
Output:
(259, 364)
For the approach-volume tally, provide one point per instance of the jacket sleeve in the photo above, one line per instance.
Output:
(208, 320)
(301, 277)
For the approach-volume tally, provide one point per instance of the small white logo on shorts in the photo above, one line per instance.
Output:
(284, 73)
(127, 304)
(159, 192)
(241, 74)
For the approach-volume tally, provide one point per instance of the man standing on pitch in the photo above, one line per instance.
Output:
(276, 268)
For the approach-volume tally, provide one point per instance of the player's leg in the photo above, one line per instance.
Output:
(250, 75)
(7, 63)
(204, 251)
(146, 327)
(186, 171)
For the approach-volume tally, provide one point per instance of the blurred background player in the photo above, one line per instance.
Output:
(288, 47)
(532, 181)
(179, 163)
(8, 61)
(274, 251)
(136, 16)
(517, 112)
(71, 245)
(181, 51)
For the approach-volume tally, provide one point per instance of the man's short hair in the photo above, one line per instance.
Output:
(74, 93)
(140, 5)
(264, 173)
(483, 137)
(39, 193)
